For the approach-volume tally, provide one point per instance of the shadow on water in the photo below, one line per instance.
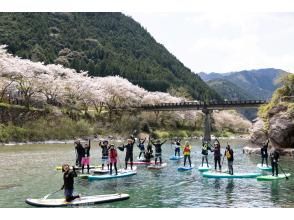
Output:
(230, 191)
(275, 192)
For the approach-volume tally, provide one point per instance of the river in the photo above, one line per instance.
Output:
(28, 171)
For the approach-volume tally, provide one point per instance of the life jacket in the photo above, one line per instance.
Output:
(187, 150)
(113, 153)
(228, 155)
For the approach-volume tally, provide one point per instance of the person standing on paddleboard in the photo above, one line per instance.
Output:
(177, 147)
(204, 152)
(129, 152)
(86, 157)
(158, 150)
(264, 154)
(141, 147)
(113, 158)
(217, 155)
(187, 152)
(104, 158)
(274, 155)
(229, 154)
(79, 152)
(68, 182)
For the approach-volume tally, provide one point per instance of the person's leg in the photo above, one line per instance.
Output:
(110, 170)
(160, 160)
(266, 161)
(156, 155)
(273, 169)
(219, 164)
(206, 160)
(176, 152)
(215, 163)
(115, 167)
(277, 169)
(140, 154)
(131, 158)
(189, 158)
(232, 169)
(185, 158)
(126, 160)
(202, 160)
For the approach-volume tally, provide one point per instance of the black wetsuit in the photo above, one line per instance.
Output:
(142, 148)
(80, 151)
(204, 152)
(217, 157)
(129, 154)
(105, 149)
(274, 160)
(68, 185)
(177, 149)
(158, 151)
(264, 154)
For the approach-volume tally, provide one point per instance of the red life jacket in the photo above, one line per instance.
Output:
(113, 153)
(187, 149)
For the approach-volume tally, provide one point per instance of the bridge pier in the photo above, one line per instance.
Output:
(207, 124)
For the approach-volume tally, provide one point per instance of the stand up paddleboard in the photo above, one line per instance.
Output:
(176, 157)
(226, 175)
(157, 166)
(270, 177)
(86, 200)
(112, 176)
(99, 171)
(264, 167)
(83, 175)
(78, 168)
(141, 163)
(126, 170)
(186, 168)
(204, 168)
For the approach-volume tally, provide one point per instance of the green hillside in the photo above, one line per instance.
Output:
(103, 44)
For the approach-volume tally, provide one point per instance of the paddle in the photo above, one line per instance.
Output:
(283, 171)
(50, 194)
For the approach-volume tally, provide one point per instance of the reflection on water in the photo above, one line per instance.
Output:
(30, 172)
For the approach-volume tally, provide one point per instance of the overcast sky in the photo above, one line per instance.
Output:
(211, 42)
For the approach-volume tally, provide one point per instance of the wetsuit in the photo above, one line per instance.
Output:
(217, 156)
(229, 153)
(158, 151)
(204, 152)
(129, 154)
(68, 185)
(80, 151)
(264, 154)
(274, 160)
(187, 153)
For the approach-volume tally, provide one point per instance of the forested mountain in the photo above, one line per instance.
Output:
(104, 44)
(258, 84)
(229, 90)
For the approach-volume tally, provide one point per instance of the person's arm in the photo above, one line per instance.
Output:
(144, 141)
(163, 142)
(74, 171)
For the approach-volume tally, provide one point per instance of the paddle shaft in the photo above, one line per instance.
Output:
(50, 194)
(283, 171)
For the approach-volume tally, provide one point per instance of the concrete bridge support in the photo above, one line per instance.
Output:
(207, 125)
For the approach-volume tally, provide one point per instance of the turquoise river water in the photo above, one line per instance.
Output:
(28, 171)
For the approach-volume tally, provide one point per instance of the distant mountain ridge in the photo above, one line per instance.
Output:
(257, 84)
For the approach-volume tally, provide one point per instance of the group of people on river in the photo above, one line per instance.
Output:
(110, 157)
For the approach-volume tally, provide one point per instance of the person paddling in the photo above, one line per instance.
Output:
(264, 154)
(158, 150)
(229, 154)
(68, 182)
(79, 152)
(217, 155)
(86, 157)
(141, 147)
(187, 152)
(104, 159)
(113, 158)
(274, 155)
(204, 152)
(177, 147)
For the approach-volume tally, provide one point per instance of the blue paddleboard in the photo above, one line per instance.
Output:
(186, 168)
(176, 157)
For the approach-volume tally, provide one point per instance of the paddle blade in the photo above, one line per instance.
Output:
(121, 148)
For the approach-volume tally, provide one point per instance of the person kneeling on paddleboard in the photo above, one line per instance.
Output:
(68, 182)
(274, 155)
(264, 154)
(158, 150)
(229, 154)
(204, 152)
(113, 158)
(187, 152)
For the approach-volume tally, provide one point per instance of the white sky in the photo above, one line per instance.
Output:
(224, 42)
